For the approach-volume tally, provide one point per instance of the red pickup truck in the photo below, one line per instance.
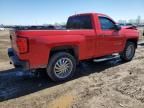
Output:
(86, 36)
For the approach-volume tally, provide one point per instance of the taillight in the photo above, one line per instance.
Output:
(22, 44)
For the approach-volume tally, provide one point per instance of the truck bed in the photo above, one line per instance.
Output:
(51, 27)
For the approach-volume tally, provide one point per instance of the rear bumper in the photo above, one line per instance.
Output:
(24, 65)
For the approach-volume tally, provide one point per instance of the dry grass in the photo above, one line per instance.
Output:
(4, 45)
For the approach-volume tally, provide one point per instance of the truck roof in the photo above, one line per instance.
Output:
(98, 14)
(94, 14)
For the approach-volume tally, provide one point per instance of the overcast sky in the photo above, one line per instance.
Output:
(50, 11)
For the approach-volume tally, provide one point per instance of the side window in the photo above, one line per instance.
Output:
(106, 24)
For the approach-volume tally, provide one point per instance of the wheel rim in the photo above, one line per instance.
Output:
(63, 67)
(130, 51)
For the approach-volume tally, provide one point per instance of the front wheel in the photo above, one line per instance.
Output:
(129, 52)
(61, 66)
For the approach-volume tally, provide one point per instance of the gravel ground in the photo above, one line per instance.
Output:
(108, 84)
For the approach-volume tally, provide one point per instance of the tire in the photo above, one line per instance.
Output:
(129, 52)
(61, 67)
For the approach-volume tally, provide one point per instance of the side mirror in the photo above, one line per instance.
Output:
(117, 27)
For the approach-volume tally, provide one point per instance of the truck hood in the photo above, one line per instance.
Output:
(130, 27)
(130, 31)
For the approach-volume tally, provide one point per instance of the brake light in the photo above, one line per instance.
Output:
(22, 44)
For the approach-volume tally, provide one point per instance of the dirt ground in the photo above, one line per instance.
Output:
(108, 84)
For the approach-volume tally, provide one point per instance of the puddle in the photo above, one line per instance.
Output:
(7, 93)
(11, 83)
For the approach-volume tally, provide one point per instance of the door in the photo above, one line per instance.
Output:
(110, 40)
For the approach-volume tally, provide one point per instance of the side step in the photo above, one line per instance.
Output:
(106, 58)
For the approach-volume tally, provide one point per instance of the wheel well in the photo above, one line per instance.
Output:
(69, 49)
(135, 41)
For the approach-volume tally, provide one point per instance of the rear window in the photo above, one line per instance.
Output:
(80, 22)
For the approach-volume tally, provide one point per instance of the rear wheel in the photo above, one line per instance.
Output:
(61, 66)
(129, 52)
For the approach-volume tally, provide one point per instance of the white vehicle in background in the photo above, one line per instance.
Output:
(2, 28)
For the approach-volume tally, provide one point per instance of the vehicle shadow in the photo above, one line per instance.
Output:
(15, 83)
